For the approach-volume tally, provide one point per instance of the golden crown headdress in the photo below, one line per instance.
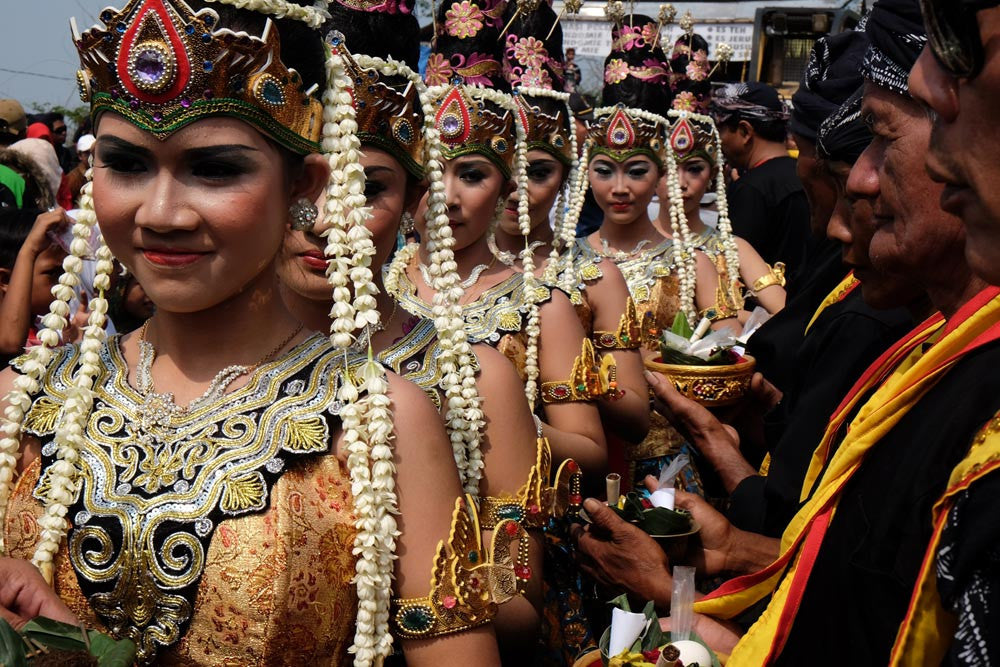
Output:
(471, 121)
(693, 135)
(545, 131)
(388, 114)
(622, 133)
(163, 66)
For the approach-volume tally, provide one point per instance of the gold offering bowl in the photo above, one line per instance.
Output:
(712, 386)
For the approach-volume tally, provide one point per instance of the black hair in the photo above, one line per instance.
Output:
(487, 41)
(15, 225)
(768, 130)
(633, 92)
(37, 192)
(377, 34)
(49, 118)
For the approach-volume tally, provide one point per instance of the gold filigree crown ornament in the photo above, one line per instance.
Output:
(545, 131)
(591, 379)
(388, 112)
(163, 66)
(693, 135)
(475, 120)
(468, 582)
(537, 501)
(622, 133)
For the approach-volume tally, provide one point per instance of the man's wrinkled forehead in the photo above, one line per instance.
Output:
(882, 109)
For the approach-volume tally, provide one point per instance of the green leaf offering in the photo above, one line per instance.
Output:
(658, 521)
(61, 643)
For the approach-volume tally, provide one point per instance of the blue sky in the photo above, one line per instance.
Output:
(35, 38)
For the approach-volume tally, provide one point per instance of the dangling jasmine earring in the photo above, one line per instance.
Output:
(304, 214)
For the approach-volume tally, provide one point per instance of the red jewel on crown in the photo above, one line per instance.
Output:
(153, 64)
(621, 134)
(682, 137)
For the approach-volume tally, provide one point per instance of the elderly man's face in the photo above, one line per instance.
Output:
(964, 144)
(913, 238)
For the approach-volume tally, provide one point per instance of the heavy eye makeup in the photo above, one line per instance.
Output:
(539, 171)
(218, 164)
(473, 172)
(603, 169)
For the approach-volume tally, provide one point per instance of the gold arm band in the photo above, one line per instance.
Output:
(536, 502)
(468, 582)
(774, 276)
(590, 380)
(629, 333)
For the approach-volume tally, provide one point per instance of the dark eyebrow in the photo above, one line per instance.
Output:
(220, 150)
(376, 168)
(111, 141)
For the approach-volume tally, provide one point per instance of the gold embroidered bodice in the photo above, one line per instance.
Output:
(415, 356)
(649, 274)
(220, 536)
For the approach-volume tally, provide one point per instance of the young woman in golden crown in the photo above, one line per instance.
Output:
(533, 66)
(484, 159)
(223, 486)
(502, 463)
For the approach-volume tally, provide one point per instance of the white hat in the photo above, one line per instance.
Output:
(85, 143)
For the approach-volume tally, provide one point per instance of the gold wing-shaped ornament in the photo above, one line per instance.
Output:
(468, 581)
(590, 380)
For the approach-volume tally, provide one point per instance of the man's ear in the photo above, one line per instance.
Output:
(4, 280)
(312, 179)
(745, 129)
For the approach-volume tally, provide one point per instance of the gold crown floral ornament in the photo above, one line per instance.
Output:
(468, 582)
(622, 133)
(589, 380)
(388, 114)
(162, 66)
(475, 120)
(537, 501)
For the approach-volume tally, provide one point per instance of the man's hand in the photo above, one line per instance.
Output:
(718, 442)
(720, 636)
(38, 239)
(25, 595)
(764, 395)
(621, 556)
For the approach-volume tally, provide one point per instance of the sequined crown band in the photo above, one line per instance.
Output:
(162, 66)
(545, 131)
(692, 135)
(388, 115)
(621, 134)
(469, 125)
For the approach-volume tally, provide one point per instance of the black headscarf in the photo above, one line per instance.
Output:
(832, 74)
(897, 36)
(844, 136)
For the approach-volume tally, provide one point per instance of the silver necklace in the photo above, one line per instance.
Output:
(160, 408)
(621, 255)
(508, 258)
(473, 278)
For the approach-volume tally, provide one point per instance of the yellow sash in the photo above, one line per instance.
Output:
(927, 629)
(845, 287)
(803, 536)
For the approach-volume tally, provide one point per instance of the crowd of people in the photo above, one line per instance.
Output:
(315, 358)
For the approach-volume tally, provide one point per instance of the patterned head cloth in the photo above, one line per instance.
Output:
(844, 136)
(832, 74)
(897, 36)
